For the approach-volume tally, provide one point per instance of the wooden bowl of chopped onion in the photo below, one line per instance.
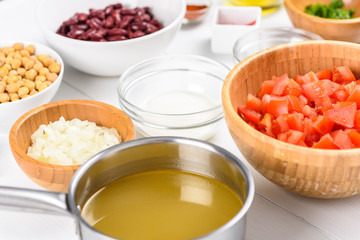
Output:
(50, 142)
(326, 26)
(318, 154)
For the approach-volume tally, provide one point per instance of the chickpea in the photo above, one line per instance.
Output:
(3, 71)
(42, 87)
(8, 60)
(21, 83)
(37, 66)
(55, 67)
(21, 71)
(51, 77)
(31, 74)
(4, 97)
(40, 78)
(28, 64)
(3, 83)
(23, 91)
(48, 83)
(15, 63)
(32, 92)
(2, 89)
(12, 87)
(12, 78)
(8, 66)
(7, 50)
(29, 84)
(30, 48)
(24, 53)
(43, 71)
(17, 56)
(6, 80)
(14, 97)
(17, 46)
(37, 84)
(25, 96)
(2, 60)
(47, 62)
(13, 72)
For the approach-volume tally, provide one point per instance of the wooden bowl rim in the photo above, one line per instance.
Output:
(261, 137)
(24, 156)
(289, 4)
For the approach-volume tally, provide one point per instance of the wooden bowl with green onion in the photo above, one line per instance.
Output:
(330, 29)
(319, 173)
(55, 177)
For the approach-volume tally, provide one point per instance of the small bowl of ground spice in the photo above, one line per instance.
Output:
(196, 10)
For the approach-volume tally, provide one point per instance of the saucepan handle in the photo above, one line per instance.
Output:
(33, 200)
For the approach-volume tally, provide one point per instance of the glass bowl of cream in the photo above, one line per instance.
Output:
(174, 95)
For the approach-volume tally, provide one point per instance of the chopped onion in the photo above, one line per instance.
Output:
(70, 142)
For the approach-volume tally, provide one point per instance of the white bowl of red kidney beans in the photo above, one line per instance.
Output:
(105, 37)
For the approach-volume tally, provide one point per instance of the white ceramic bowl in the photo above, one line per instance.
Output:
(109, 58)
(174, 95)
(11, 111)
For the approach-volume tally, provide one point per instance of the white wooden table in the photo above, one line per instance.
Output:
(275, 213)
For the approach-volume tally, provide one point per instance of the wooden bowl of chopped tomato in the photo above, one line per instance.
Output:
(57, 176)
(293, 111)
(327, 21)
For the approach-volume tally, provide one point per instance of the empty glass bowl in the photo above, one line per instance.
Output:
(174, 95)
(260, 39)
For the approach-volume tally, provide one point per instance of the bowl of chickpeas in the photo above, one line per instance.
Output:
(30, 75)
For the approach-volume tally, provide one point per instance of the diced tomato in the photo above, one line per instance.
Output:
(302, 143)
(295, 121)
(294, 137)
(293, 88)
(266, 88)
(253, 103)
(342, 74)
(344, 116)
(303, 100)
(323, 125)
(316, 110)
(308, 111)
(355, 137)
(317, 92)
(293, 103)
(251, 115)
(311, 136)
(324, 74)
(282, 123)
(341, 94)
(342, 140)
(357, 120)
(325, 142)
(280, 84)
(355, 96)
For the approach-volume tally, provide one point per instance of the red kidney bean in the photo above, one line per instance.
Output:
(116, 38)
(97, 13)
(82, 17)
(125, 21)
(116, 15)
(75, 33)
(108, 10)
(95, 23)
(113, 23)
(117, 31)
(137, 34)
(109, 22)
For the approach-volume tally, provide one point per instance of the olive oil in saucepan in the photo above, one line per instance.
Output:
(161, 204)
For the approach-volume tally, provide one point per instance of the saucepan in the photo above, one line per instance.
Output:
(137, 156)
